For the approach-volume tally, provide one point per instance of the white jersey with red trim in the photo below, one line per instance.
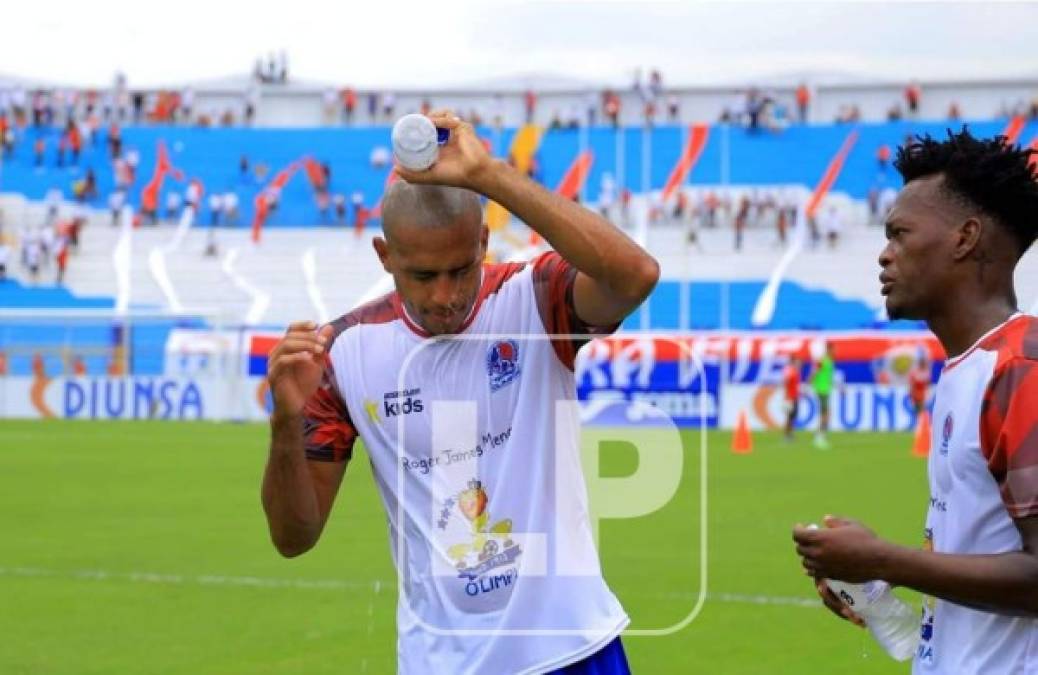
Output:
(983, 472)
(474, 442)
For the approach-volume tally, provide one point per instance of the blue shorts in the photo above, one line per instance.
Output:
(609, 660)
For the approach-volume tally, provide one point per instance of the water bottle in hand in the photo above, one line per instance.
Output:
(416, 141)
(890, 620)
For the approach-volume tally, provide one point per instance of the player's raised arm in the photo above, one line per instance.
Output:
(297, 494)
(614, 274)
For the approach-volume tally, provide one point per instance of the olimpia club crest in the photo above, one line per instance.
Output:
(946, 433)
(488, 545)
(502, 363)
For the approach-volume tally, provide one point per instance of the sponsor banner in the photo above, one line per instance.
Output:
(744, 358)
(705, 379)
(855, 407)
(134, 397)
(646, 380)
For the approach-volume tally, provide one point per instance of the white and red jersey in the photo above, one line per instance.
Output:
(983, 473)
(474, 442)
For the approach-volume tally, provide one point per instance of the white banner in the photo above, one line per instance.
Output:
(135, 397)
(854, 407)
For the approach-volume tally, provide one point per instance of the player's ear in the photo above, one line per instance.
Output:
(484, 239)
(381, 247)
(968, 236)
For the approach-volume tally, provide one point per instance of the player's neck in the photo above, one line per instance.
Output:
(959, 324)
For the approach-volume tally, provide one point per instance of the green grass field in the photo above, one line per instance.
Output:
(141, 547)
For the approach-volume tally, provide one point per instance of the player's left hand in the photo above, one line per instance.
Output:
(844, 549)
(462, 162)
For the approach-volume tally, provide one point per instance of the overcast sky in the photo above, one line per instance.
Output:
(434, 43)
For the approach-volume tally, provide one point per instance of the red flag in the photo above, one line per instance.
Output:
(1013, 129)
(163, 166)
(315, 172)
(259, 215)
(573, 180)
(831, 174)
(697, 136)
(268, 194)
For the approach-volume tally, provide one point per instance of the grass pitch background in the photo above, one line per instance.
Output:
(140, 547)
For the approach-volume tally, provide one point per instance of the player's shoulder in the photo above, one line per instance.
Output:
(496, 278)
(381, 310)
(1016, 341)
(496, 275)
(547, 262)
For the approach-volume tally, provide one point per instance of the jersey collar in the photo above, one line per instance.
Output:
(951, 363)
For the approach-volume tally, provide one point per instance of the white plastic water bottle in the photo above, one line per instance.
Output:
(890, 620)
(417, 141)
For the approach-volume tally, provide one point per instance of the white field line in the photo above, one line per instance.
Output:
(331, 584)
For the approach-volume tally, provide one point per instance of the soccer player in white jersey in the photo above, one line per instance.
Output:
(485, 500)
(966, 215)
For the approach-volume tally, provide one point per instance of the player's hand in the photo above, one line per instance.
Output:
(296, 365)
(843, 549)
(836, 605)
(462, 162)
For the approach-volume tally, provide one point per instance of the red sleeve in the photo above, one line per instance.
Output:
(553, 279)
(328, 431)
(1009, 434)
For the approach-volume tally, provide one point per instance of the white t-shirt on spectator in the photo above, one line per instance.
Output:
(31, 248)
(832, 222)
(192, 193)
(379, 156)
(116, 200)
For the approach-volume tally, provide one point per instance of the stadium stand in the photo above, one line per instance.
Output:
(732, 156)
(307, 264)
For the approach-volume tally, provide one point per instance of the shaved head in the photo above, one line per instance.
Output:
(412, 205)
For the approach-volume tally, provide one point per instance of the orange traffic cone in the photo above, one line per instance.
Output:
(742, 440)
(921, 444)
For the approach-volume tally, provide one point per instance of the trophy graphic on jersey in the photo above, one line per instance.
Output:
(490, 546)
